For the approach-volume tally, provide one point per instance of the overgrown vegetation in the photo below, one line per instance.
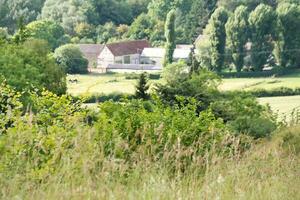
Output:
(180, 139)
(29, 65)
(57, 147)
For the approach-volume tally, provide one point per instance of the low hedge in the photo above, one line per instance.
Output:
(276, 72)
(97, 98)
(134, 76)
(282, 91)
(116, 97)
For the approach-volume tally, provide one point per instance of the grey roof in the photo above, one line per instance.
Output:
(160, 53)
(88, 49)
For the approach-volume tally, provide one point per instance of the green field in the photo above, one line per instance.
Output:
(260, 83)
(110, 83)
(284, 106)
(102, 83)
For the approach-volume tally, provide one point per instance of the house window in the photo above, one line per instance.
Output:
(118, 60)
(126, 59)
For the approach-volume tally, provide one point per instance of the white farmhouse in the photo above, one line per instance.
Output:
(121, 54)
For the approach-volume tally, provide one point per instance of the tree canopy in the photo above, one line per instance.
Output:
(29, 65)
(70, 58)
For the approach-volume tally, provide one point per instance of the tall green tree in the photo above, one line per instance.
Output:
(106, 32)
(50, 31)
(170, 37)
(159, 9)
(237, 35)
(251, 4)
(28, 65)
(217, 37)
(102, 11)
(141, 27)
(287, 49)
(68, 13)
(262, 23)
(12, 10)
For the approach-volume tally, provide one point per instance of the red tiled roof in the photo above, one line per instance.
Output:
(128, 47)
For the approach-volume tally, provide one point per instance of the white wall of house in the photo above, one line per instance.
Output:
(127, 59)
(105, 58)
(156, 61)
(135, 59)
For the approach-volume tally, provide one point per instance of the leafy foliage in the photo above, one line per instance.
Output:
(50, 31)
(71, 59)
(236, 30)
(170, 37)
(10, 106)
(241, 112)
(288, 44)
(262, 23)
(217, 38)
(66, 12)
(28, 65)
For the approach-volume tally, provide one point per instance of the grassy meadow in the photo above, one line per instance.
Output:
(270, 170)
(102, 83)
(117, 83)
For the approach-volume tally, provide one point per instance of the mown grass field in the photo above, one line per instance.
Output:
(283, 106)
(260, 83)
(110, 83)
(102, 83)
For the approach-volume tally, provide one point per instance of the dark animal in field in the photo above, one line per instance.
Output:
(73, 81)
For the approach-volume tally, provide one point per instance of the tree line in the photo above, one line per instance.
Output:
(244, 35)
(252, 40)
(94, 21)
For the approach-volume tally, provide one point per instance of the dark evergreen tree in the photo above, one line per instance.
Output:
(142, 87)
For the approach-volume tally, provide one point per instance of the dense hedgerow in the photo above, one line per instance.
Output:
(57, 148)
(239, 110)
(40, 141)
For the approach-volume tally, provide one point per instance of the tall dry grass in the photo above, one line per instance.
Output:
(270, 170)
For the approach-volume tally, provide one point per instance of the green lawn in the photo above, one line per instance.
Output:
(109, 83)
(102, 83)
(284, 106)
(264, 83)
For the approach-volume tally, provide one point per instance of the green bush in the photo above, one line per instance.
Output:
(239, 110)
(10, 106)
(29, 65)
(244, 114)
(70, 58)
(45, 140)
